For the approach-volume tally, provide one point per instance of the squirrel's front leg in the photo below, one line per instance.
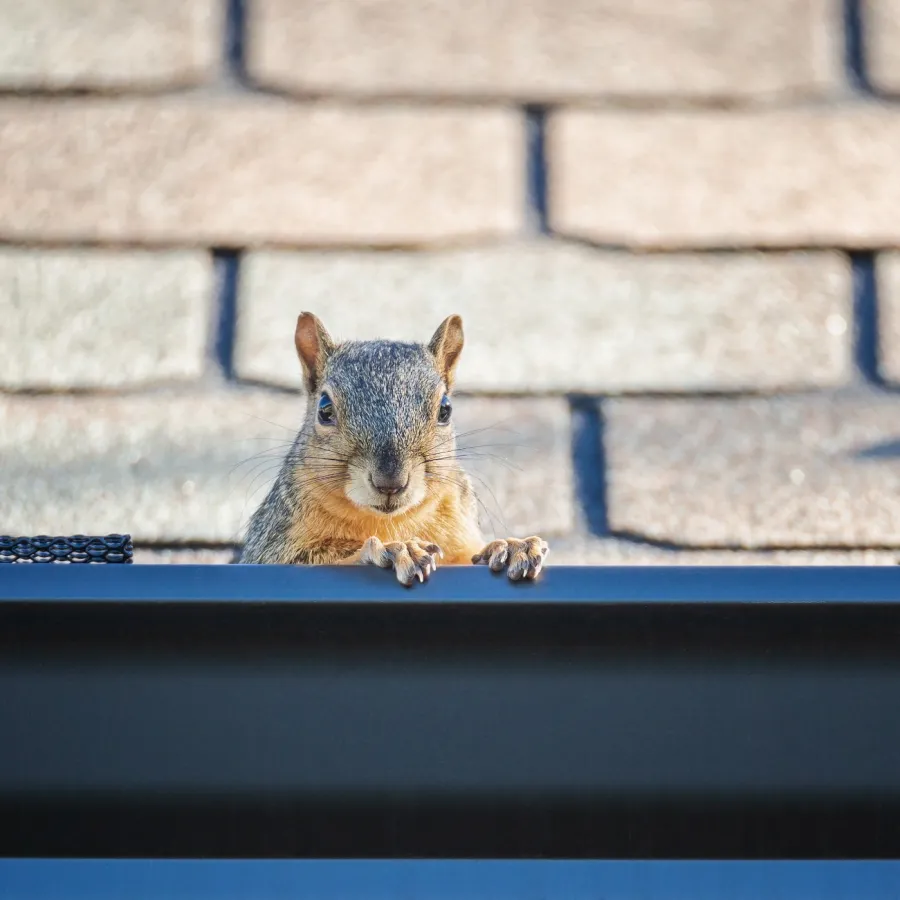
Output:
(522, 558)
(409, 559)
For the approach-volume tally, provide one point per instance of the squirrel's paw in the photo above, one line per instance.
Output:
(409, 559)
(521, 558)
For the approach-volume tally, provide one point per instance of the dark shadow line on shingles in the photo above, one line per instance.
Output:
(235, 40)
(855, 58)
(638, 249)
(536, 169)
(227, 268)
(865, 318)
(589, 463)
(636, 538)
(884, 450)
(690, 394)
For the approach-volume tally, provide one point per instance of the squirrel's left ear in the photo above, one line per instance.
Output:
(314, 346)
(446, 345)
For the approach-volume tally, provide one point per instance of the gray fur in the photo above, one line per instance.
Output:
(385, 393)
(265, 540)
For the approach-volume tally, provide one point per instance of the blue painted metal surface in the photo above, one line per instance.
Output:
(446, 880)
(614, 712)
(561, 584)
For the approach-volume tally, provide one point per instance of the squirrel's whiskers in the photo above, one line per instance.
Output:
(373, 476)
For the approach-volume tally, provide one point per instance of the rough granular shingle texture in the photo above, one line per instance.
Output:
(801, 471)
(232, 171)
(546, 50)
(184, 556)
(165, 466)
(581, 550)
(887, 271)
(881, 26)
(108, 44)
(706, 179)
(591, 320)
(517, 452)
(90, 318)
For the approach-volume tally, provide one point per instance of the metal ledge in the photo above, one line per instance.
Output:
(611, 712)
(819, 585)
(440, 880)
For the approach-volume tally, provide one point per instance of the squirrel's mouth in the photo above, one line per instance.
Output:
(391, 494)
(393, 504)
(383, 497)
(388, 506)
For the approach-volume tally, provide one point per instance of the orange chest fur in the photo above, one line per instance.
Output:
(441, 522)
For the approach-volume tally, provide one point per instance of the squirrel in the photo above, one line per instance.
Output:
(372, 476)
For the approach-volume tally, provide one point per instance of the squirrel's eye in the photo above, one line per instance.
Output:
(444, 411)
(326, 411)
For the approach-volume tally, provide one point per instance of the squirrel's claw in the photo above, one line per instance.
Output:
(521, 558)
(409, 559)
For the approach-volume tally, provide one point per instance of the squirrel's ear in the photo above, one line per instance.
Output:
(314, 346)
(446, 345)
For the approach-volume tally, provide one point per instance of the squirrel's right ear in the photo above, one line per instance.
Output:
(314, 346)
(446, 345)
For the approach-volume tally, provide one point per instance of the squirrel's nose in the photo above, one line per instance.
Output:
(389, 484)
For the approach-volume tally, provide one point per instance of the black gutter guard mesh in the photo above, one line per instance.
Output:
(80, 548)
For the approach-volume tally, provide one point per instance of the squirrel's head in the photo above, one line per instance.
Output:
(379, 421)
